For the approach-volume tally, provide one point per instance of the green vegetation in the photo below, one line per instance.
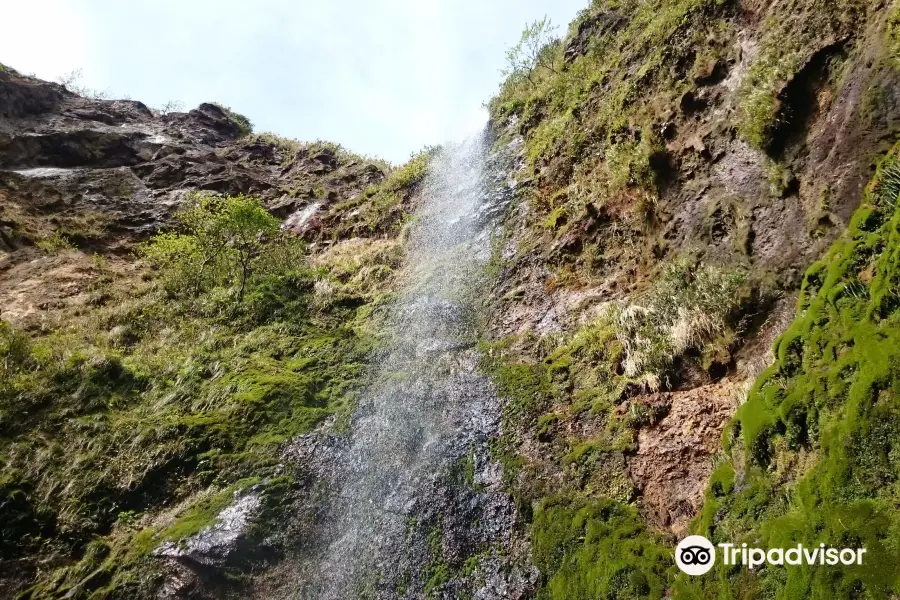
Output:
(547, 92)
(893, 33)
(816, 443)
(380, 208)
(597, 111)
(243, 124)
(598, 549)
(173, 391)
(587, 107)
(784, 51)
(224, 243)
(57, 242)
(533, 53)
(687, 307)
(291, 147)
(812, 454)
(760, 106)
(203, 513)
(588, 541)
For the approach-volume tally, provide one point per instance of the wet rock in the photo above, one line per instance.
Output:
(216, 544)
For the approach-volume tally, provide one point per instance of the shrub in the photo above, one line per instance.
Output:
(170, 107)
(533, 51)
(223, 242)
(58, 242)
(686, 307)
(244, 125)
(71, 81)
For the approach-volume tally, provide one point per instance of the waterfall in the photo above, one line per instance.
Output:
(397, 494)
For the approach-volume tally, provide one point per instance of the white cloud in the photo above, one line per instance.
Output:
(383, 78)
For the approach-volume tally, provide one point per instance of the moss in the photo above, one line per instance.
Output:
(820, 427)
(597, 549)
(892, 33)
(528, 390)
(525, 385)
(201, 515)
(759, 102)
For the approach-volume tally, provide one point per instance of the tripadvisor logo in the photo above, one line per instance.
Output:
(695, 555)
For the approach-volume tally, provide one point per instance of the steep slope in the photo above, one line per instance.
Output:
(684, 163)
(131, 412)
(180, 412)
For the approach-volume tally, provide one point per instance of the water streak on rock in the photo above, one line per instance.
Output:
(399, 503)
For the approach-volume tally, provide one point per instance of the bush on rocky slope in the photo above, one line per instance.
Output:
(226, 243)
(158, 398)
(243, 124)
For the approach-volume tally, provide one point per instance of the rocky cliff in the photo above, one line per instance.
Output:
(686, 162)
(123, 399)
(689, 323)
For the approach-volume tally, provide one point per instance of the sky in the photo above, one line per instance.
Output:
(380, 77)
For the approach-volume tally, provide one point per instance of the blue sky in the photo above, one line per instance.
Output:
(382, 77)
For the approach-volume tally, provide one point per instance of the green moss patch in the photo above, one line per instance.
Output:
(597, 549)
(819, 454)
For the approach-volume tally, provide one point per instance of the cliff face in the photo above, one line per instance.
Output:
(124, 397)
(691, 184)
(106, 174)
(685, 163)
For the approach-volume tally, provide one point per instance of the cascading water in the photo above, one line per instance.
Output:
(413, 491)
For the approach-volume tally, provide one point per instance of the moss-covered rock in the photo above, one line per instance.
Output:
(815, 446)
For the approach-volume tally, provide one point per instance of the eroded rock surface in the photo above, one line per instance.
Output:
(106, 174)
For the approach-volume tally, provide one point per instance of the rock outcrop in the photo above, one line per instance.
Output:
(106, 174)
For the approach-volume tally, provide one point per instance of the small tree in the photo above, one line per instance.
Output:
(72, 82)
(533, 51)
(170, 107)
(247, 226)
(221, 242)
